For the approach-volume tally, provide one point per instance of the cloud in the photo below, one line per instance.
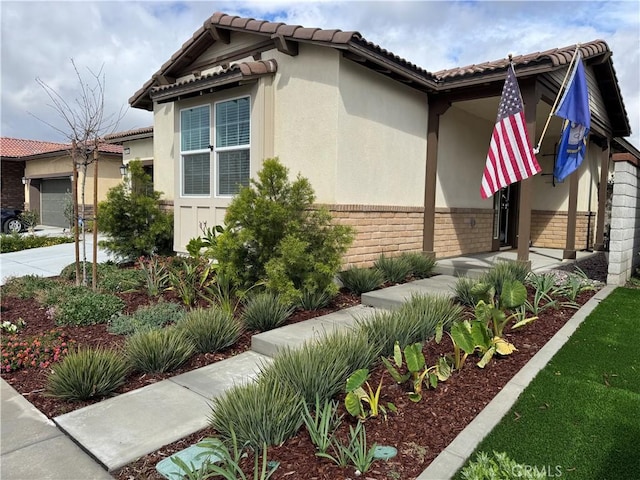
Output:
(131, 40)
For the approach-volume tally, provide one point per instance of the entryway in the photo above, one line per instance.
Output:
(505, 222)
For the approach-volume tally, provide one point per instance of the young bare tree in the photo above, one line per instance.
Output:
(84, 123)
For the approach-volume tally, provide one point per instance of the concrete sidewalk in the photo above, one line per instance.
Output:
(45, 261)
(119, 430)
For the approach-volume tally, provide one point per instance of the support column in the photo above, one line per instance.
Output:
(530, 98)
(437, 107)
(602, 196)
(570, 242)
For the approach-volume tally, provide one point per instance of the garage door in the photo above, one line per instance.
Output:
(53, 198)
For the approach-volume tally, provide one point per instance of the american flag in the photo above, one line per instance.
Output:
(510, 158)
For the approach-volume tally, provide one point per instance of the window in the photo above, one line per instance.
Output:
(232, 127)
(195, 128)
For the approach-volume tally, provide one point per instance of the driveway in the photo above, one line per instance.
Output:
(45, 261)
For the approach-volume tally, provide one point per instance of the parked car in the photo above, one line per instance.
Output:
(11, 222)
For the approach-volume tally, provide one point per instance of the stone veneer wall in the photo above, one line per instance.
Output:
(391, 230)
(624, 242)
(549, 229)
(460, 231)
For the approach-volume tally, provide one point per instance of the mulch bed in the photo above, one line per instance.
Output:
(420, 431)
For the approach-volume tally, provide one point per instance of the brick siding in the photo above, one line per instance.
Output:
(12, 189)
(549, 229)
(391, 230)
(460, 231)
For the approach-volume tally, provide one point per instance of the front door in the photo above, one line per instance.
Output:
(505, 223)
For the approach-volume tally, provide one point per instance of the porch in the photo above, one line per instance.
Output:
(474, 265)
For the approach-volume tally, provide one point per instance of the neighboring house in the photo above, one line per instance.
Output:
(46, 180)
(137, 144)
(390, 148)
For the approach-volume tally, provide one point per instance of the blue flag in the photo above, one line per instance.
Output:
(574, 108)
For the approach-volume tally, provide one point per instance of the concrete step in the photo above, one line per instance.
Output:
(270, 342)
(393, 297)
(121, 429)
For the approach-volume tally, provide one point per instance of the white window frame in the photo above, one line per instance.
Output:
(184, 153)
(217, 150)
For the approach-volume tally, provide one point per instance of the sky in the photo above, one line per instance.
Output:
(128, 41)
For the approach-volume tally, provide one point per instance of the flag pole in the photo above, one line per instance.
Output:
(536, 150)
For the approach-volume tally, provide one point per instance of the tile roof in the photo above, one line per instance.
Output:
(237, 72)
(555, 58)
(350, 41)
(136, 132)
(20, 148)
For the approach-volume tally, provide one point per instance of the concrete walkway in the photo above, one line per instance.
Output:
(119, 430)
(45, 261)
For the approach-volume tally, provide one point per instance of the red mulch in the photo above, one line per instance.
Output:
(419, 430)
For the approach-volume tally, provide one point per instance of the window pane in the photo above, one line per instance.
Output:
(232, 123)
(196, 174)
(195, 128)
(233, 171)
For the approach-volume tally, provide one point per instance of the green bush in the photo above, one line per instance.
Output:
(499, 466)
(503, 271)
(111, 277)
(320, 368)
(259, 412)
(211, 329)
(132, 219)
(394, 269)
(415, 321)
(16, 242)
(149, 317)
(275, 235)
(422, 266)
(266, 311)
(87, 373)
(314, 300)
(361, 280)
(86, 308)
(161, 350)
(27, 286)
(463, 290)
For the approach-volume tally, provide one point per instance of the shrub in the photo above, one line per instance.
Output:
(361, 280)
(87, 373)
(415, 321)
(132, 219)
(266, 311)
(260, 412)
(27, 286)
(211, 329)
(146, 318)
(500, 465)
(88, 308)
(15, 242)
(111, 277)
(394, 269)
(422, 266)
(159, 350)
(39, 351)
(320, 368)
(463, 290)
(275, 234)
(314, 300)
(503, 271)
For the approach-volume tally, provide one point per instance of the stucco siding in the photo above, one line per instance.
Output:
(462, 152)
(381, 139)
(166, 165)
(306, 116)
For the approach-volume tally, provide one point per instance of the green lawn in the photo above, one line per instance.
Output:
(580, 417)
(16, 242)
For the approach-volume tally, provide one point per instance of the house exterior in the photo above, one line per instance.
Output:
(46, 181)
(390, 148)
